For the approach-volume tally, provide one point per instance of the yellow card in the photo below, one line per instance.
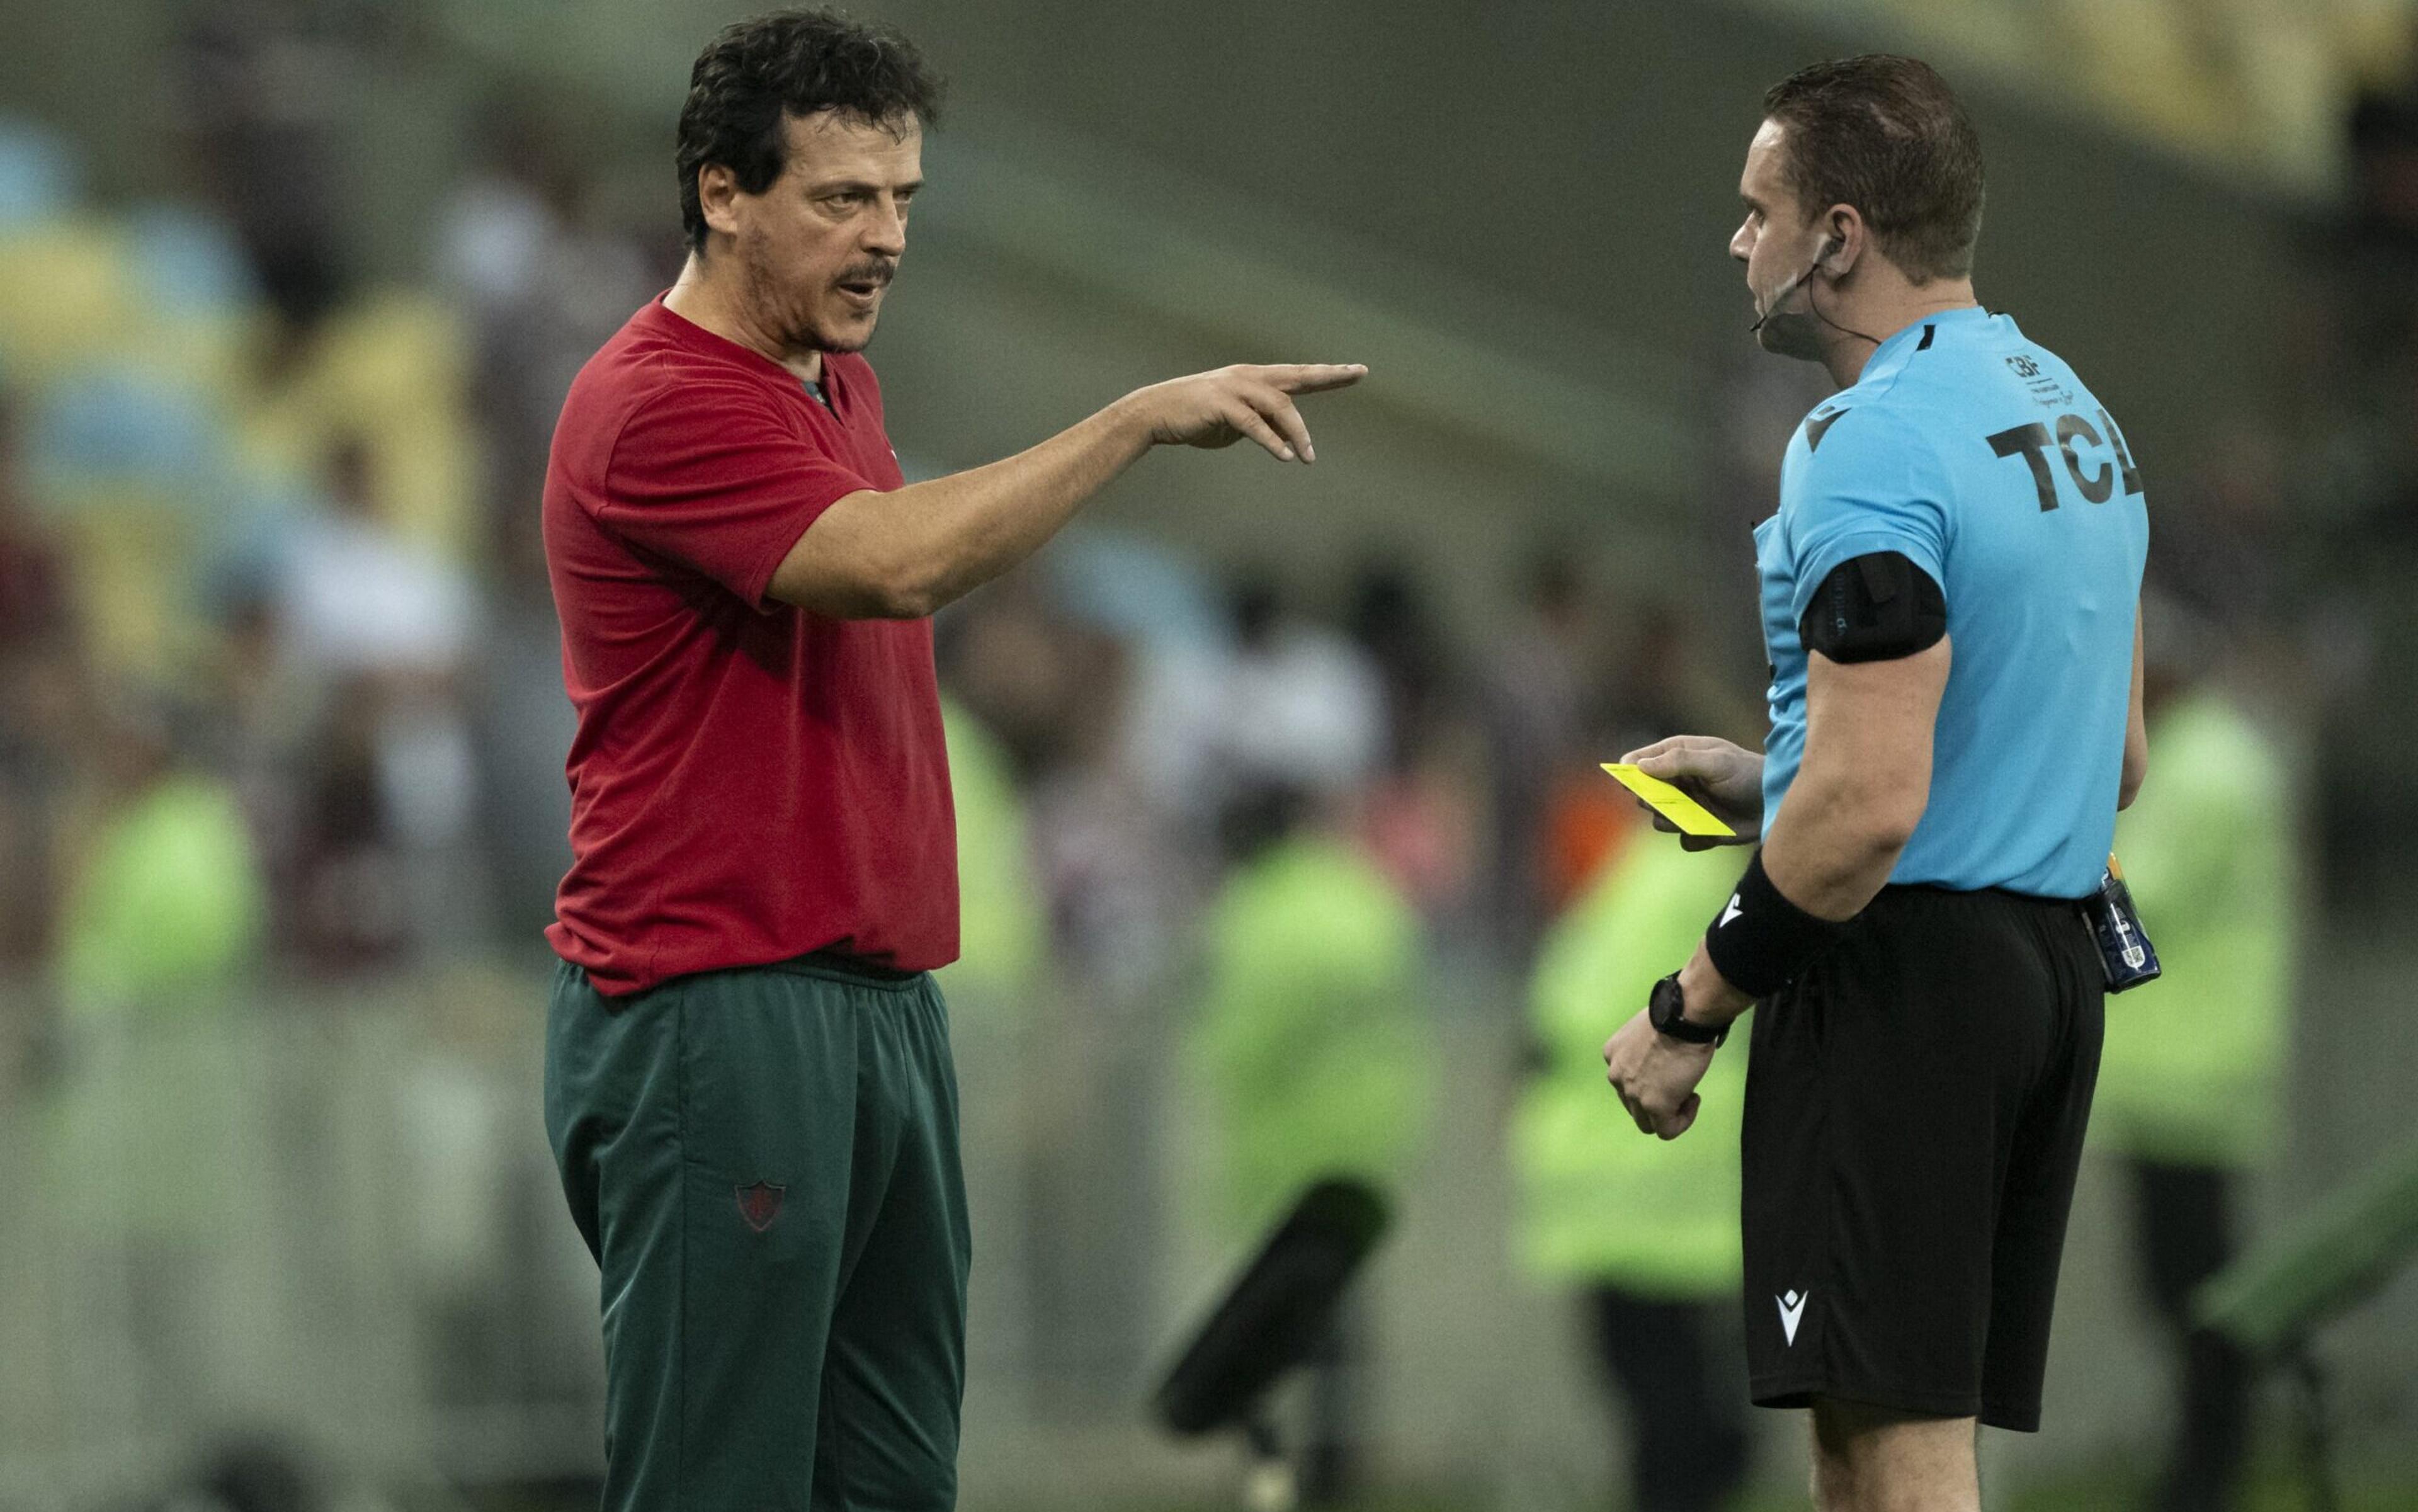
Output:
(1689, 816)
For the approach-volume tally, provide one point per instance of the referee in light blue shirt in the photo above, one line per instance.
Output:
(1949, 597)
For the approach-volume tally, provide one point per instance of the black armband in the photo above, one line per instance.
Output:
(1875, 608)
(1760, 940)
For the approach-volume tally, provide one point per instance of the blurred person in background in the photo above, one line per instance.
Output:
(992, 990)
(1418, 818)
(763, 870)
(1666, 680)
(1533, 712)
(546, 278)
(1298, 702)
(164, 904)
(1662, 681)
(358, 596)
(379, 630)
(250, 1473)
(1934, 811)
(40, 673)
(160, 936)
(2191, 1079)
(2239, 554)
(1000, 916)
(259, 723)
(348, 910)
(34, 600)
(260, 101)
(1315, 1051)
(1120, 877)
(1390, 619)
(1648, 1230)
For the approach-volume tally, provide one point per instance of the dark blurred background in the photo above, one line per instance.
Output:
(289, 296)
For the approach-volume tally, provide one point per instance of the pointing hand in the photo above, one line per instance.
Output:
(1216, 409)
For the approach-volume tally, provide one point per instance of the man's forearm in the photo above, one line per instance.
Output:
(1836, 844)
(982, 522)
(1829, 854)
(906, 553)
(903, 554)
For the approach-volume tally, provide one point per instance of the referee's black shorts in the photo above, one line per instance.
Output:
(1914, 1116)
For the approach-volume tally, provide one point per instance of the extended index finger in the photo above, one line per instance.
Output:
(1312, 377)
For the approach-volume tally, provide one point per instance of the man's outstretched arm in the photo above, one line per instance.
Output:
(903, 554)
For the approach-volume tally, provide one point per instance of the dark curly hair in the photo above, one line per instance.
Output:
(1886, 135)
(758, 72)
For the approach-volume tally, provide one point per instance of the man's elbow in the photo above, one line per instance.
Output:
(1888, 834)
(917, 591)
(1880, 816)
(867, 591)
(2128, 787)
(903, 598)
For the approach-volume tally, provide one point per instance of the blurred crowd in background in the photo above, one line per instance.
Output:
(271, 549)
(280, 713)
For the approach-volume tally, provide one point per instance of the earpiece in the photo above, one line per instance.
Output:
(1829, 245)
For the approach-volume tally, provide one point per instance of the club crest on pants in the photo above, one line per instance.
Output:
(761, 1204)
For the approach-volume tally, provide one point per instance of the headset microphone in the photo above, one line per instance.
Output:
(1830, 244)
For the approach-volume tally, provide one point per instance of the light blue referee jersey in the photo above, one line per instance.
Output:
(1983, 459)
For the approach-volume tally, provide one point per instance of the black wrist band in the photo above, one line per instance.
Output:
(1760, 940)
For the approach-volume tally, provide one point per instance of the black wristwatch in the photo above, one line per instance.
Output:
(1666, 1009)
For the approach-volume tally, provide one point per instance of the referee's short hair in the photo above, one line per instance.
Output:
(1885, 134)
(758, 72)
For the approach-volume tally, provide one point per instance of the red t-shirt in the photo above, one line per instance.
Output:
(750, 781)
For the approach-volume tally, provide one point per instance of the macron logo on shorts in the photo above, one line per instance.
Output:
(1735, 909)
(1792, 1312)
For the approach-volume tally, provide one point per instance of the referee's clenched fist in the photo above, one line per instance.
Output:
(1656, 1076)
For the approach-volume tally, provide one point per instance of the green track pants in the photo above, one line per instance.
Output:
(764, 1163)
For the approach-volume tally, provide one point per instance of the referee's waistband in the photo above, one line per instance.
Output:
(2035, 899)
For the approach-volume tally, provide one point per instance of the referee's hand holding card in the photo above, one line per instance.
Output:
(1654, 1070)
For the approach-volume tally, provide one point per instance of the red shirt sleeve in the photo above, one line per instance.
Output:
(714, 476)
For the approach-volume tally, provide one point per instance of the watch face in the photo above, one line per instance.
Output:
(1666, 1009)
(1663, 1008)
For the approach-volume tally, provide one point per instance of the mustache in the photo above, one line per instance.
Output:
(878, 274)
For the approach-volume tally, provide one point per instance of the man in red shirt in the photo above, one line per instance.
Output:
(749, 1083)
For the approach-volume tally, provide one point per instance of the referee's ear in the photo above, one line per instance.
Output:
(1843, 242)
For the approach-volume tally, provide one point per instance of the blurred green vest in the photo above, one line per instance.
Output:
(1313, 1044)
(169, 908)
(156, 1126)
(1598, 1201)
(1000, 919)
(2195, 1061)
